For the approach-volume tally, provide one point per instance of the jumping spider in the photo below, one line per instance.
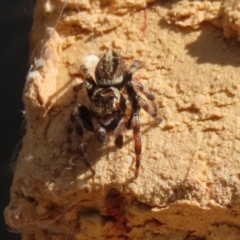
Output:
(108, 105)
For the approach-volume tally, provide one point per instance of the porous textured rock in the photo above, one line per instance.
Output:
(189, 178)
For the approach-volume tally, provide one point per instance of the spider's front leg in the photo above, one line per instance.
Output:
(78, 122)
(90, 85)
(78, 128)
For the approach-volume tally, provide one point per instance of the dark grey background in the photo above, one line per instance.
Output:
(15, 25)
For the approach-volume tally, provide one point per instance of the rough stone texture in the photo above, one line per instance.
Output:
(188, 184)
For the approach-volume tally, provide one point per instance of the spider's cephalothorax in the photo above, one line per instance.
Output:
(107, 109)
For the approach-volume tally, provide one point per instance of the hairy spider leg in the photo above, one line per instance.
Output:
(150, 109)
(100, 132)
(90, 85)
(131, 91)
(134, 121)
(135, 66)
(76, 121)
(137, 103)
(81, 116)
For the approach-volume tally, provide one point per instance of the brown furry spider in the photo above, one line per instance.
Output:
(108, 105)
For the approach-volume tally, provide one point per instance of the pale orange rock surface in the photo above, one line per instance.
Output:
(189, 178)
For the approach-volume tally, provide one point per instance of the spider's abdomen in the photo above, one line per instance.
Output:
(110, 70)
